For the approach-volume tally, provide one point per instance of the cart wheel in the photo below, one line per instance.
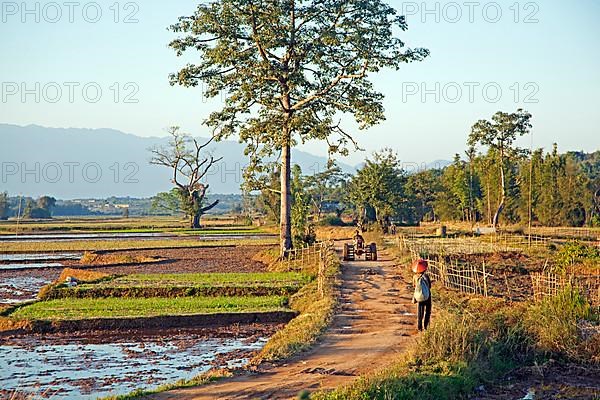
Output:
(349, 252)
(373, 251)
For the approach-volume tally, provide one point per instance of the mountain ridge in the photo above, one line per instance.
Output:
(86, 163)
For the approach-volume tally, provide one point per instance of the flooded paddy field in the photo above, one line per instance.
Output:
(95, 365)
(32, 257)
(21, 280)
(44, 237)
(96, 362)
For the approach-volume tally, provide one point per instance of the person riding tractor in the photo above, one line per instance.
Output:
(358, 248)
(359, 240)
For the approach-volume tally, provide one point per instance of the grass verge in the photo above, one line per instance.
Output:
(202, 379)
(474, 341)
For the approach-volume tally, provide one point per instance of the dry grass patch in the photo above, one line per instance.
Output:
(93, 258)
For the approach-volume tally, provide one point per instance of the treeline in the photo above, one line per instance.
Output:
(27, 207)
(563, 190)
(494, 182)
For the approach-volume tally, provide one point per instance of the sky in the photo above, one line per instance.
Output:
(105, 64)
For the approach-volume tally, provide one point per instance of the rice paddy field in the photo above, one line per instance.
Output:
(132, 270)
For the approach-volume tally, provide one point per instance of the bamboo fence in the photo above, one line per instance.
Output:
(567, 232)
(546, 284)
(499, 243)
(450, 273)
(312, 259)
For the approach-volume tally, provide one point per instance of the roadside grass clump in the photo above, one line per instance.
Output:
(315, 314)
(79, 309)
(462, 349)
(554, 323)
(473, 341)
(214, 375)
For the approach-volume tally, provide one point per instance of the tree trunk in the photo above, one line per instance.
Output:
(502, 191)
(489, 202)
(286, 200)
(196, 221)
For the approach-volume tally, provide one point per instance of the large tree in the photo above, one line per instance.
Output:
(499, 135)
(287, 69)
(185, 157)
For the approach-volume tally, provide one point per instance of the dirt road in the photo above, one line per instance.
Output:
(374, 324)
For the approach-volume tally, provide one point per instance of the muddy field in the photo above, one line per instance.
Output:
(26, 278)
(552, 381)
(97, 363)
(100, 364)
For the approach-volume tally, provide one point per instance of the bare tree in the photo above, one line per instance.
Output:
(184, 156)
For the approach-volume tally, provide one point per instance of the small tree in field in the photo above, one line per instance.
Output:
(287, 68)
(184, 156)
(4, 206)
(379, 186)
(499, 135)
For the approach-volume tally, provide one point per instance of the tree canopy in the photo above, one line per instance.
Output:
(287, 69)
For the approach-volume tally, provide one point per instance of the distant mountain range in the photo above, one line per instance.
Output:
(96, 163)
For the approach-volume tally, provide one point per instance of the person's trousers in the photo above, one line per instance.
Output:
(424, 314)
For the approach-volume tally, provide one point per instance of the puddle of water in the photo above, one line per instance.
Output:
(30, 266)
(22, 288)
(87, 371)
(78, 236)
(40, 257)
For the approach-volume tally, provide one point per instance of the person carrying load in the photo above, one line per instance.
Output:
(422, 295)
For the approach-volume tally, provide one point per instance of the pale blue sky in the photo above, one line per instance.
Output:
(555, 61)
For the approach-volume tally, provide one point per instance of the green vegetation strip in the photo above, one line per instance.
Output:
(182, 285)
(95, 245)
(218, 279)
(74, 309)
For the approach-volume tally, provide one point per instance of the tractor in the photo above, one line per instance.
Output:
(358, 248)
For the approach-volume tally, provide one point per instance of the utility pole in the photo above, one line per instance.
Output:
(18, 216)
(530, 187)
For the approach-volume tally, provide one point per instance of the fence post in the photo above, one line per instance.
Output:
(485, 288)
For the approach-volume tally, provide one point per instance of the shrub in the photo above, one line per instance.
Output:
(575, 252)
(332, 220)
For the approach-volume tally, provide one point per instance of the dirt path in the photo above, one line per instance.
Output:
(374, 324)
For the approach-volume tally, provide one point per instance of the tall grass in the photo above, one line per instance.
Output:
(554, 323)
(473, 341)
